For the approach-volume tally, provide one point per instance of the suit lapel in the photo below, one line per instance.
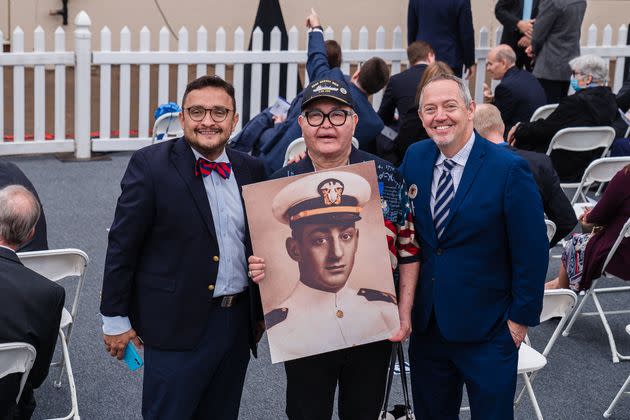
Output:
(474, 162)
(424, 192)
(240, 171)
(184, 162)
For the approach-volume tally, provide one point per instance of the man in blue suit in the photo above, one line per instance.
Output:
(484, 260)
(519, 94)
(176, 265)
(447, 26)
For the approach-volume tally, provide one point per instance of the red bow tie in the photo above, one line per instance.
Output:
(205, 168)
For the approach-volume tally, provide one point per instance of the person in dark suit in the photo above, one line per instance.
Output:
(519, 94)
(475, 203)
(447, 26)
(30, 304)
(176, 265)
(11, 174)
(557, 206)
(517, 18)
(555, 41)
(400, 93)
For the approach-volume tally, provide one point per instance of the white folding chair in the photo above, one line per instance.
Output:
(298, 146)
(581, 139)
(594, 291)
(600, 170)
(551, 229)
(542, 112)
(57, 264)
(622, 390)
(16, 358)
(166, 127)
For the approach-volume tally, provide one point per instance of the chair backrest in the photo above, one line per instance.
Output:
(557, 303)
(298, 146)
(551, 229)
(166, 127)
(599, 170)
(542, 112)
(56, 264)
(16, 358)
(581, 139)
(624, 234)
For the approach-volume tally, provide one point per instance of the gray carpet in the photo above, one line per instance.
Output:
(79, 198)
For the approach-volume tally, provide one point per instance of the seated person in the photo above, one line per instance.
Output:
(411, 129)
(30, 304)
(11, 174)
(621, 145)
(488, 124)
(584, 255)
(593, 104)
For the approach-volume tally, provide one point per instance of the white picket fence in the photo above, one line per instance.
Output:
(85, 57)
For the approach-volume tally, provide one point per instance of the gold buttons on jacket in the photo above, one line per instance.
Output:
(339, 313)
(215, 258)
(211, 287)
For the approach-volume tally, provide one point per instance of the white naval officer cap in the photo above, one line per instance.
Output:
(322, 197)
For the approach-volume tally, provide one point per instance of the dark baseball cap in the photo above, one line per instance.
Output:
(326, 88)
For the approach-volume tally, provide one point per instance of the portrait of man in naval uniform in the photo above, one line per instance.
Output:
(323, 312)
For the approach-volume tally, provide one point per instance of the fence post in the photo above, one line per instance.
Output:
(82, 65)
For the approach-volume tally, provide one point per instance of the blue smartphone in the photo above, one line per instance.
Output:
(131, 357)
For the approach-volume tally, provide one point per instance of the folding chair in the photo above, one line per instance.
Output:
(556, 303)
(600, 170)
(57, 264)
(581, 139)
(594, 291)
(551, 229)
(542, 112)
(298, 146)
(16, 358)
(166, 127)
(622, 390)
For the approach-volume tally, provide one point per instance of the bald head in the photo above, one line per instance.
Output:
(488, 122)
(500, 59)
(19, 212)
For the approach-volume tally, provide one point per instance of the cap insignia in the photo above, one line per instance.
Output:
(331, 191)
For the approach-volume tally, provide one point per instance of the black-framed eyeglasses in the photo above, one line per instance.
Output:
(336, 117)
(217, 113)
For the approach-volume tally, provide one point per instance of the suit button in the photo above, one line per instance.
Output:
(432, 278)
(211, 287)
(215, 258)
(439, 251)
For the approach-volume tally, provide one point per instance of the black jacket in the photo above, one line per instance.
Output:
(591, 107)
(509, 12)
(400, 93)
(517, 96)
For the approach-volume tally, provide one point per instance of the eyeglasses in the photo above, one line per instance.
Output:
(218, 113)
(336, 117)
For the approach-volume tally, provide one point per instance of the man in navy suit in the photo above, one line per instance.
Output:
(517, 18)
(447, 26)
(176, 266)
(484, 260)
(519, 94)
(400, 93)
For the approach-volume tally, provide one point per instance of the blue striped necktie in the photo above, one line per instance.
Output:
(445, 193)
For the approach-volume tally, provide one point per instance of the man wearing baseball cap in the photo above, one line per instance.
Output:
(328, 122)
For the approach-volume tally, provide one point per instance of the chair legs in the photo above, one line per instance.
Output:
(532, 396)
(65, 363)
(609, 410)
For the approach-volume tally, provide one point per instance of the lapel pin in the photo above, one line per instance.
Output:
(413, 191)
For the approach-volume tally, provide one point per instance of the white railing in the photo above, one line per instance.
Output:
(227, 63)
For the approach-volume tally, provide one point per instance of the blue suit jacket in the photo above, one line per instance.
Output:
(491, 261)
(162, 242)
(517, 97)
(447, 26)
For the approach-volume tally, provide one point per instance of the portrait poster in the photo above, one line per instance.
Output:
(328, 277)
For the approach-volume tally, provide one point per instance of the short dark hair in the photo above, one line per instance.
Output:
(418, 51)
(333, 52)
(210, 81)
(374, 75)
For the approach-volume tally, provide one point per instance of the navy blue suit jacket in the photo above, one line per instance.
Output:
(491, 261)
(159, 260)
(400, 93)
(517, 96)
(447, 26)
